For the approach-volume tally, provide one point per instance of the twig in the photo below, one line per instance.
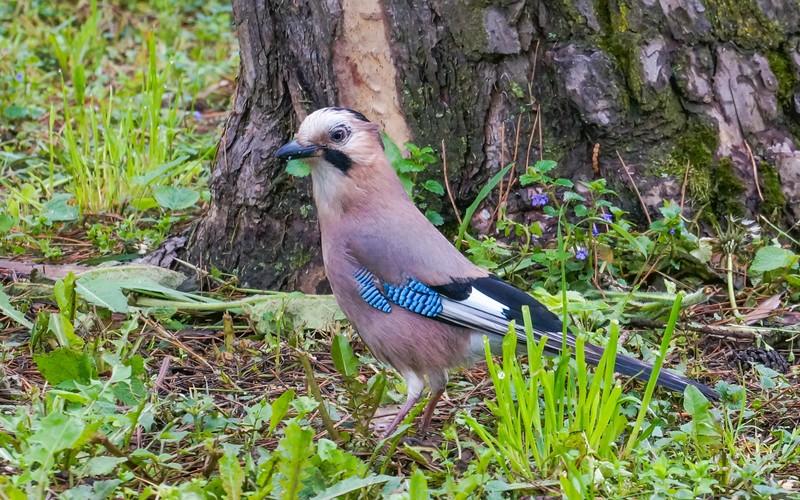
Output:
(541, 135)
(103, 440)
(755, 171)
(636, 189)
(447, 184)
(162, 373)
(211, 463)
(313, 387)
(504, 194)
(685, 182)
(163, 334)
(731, 290)
(530, 140)
(502, 160)
(717, 331)
(596, 159)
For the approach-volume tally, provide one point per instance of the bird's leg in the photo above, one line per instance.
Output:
(407, 406)
(438, 382)
(414, 387)
(428, 415)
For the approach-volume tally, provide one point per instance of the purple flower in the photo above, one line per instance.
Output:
(672, 231)
(595, 232)
(539, 200)
(197, 115)
(608, 218)
(18, 77)
(581, 253)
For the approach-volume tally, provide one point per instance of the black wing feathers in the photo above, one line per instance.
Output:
(514, 299)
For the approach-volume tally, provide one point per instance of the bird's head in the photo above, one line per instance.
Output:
(345, 153)
(337, 138)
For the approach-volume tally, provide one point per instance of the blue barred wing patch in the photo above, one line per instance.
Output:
(414, 296)
(369, 292)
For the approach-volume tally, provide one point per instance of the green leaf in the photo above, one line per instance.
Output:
(407, 182)
(572, 196)
(297, 168)
(693, 401)
(350, 485)
(526, 179)
(103, 293)
(434, 187)
(418, 486)
(279, 408)
(343, 357)
(312, 312)
(393, 153)
(143, 273)
(64, 364)
(101, 466)
(6, 223)
(60, 326)
(144, 204)
(231, 473)
(57, 432)
(544, 166)
(104, 286)
(159, 172)
(434, 217)
(772, 258)
(59, 210)
(564, 182)
(484, 192)
(79, 82)
(406, 166)
(15, 112)
(10, 311)
(294, 452)
(64, 291)
(175, 198)
(326, 449)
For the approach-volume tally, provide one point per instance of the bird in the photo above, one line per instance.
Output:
(416, 301)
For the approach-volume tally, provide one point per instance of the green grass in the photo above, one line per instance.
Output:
(115, 384)
(109, 109)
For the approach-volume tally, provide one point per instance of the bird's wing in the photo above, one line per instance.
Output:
(486, 304)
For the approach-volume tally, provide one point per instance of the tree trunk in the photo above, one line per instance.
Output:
(676, 89)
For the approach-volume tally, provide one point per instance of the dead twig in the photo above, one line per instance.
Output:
(635, 189)
(447, 184)
(166, 336)
(129, 462)
(755, 171)
(685, 182)
(313, 387)
(717, 331)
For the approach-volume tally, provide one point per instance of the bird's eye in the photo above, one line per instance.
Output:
(338, 135)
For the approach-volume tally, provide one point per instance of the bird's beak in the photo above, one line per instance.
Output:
(294, 150)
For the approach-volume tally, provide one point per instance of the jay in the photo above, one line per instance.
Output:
(419, 305)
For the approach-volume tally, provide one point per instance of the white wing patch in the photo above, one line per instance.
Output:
(485, 314)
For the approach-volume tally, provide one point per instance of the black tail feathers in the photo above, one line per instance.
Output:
(641, 370)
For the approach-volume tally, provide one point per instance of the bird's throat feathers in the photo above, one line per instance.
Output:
(374, 187)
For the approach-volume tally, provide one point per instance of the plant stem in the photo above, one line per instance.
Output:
(731, 291)
(314, 388)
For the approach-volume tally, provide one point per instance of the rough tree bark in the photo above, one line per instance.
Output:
(666, 85)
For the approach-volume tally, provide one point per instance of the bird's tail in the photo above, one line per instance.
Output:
(641, 370)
